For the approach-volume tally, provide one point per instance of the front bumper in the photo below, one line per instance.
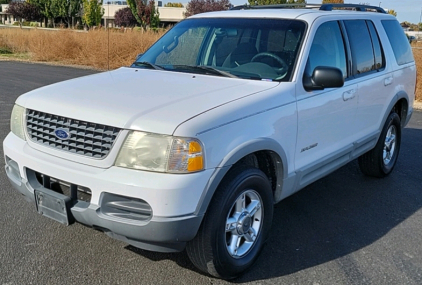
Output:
(173, 200)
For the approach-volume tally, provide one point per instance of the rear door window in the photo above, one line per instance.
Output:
(378, 51)
(366, 50)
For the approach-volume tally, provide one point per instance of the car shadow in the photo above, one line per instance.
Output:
(341, 213)
(333, 217)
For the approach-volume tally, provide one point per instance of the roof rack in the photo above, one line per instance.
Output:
(274, 6)
(355, 7)
(322, 7)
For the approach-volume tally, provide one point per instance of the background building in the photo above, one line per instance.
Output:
(168, 15)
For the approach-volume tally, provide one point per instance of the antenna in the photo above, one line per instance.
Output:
(108, 34)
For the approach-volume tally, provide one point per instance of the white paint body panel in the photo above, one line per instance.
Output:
(139, 99)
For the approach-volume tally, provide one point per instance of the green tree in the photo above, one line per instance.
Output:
(145, 13)
(4, 2)
(92, 12)
(133, 7)
(45, 9)
(155, 17)
(66, 9)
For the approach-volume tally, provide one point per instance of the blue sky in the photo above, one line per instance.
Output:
(407, 10)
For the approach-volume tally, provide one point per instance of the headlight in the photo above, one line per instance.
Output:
(152, 152)
(16, 121)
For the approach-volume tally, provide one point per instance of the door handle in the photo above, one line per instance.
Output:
(388, 81)
(349, 94)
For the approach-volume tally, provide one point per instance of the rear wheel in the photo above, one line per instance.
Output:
(235, 226)
(380, 161)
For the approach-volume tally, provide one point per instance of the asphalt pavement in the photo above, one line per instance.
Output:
(343, 229)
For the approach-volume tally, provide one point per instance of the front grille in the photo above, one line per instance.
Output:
(85, 138)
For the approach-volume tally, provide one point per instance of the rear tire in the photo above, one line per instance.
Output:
(235, 226)
(380, 161)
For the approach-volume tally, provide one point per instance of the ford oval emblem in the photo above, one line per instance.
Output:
(62, 134)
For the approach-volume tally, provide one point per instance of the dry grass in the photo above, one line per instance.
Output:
(91, 49)
(417, 53)
(79, 48)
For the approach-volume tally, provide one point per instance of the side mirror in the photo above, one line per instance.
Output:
(323, 77)
(138, 56)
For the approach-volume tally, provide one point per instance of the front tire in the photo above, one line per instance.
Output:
(380, 161)
(235, 226)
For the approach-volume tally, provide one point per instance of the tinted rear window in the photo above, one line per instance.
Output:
(399, 42)
(361, 44)
(367, 52)
(378, 51)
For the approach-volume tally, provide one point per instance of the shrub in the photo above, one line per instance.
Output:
(5, 50)
(125, 18)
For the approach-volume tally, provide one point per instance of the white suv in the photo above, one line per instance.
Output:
(225, 115)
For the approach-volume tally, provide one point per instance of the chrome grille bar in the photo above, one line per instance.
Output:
(85, 138)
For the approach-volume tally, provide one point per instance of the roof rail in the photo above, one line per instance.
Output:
(323, 7)
(357, 7)
(275, 6)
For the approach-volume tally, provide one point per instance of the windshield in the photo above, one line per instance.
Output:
(257, 49)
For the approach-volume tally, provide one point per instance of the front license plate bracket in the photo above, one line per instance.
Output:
(54, 205)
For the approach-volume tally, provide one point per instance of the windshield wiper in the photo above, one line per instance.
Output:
(206, 69)
(149, 64)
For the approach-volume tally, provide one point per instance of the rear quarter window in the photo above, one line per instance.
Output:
(398, 41)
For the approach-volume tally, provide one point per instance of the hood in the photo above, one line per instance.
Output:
(139, 99)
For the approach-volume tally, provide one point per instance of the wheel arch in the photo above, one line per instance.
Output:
(263, 153)
(400, 105)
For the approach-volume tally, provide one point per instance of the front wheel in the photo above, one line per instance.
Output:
(380, 161)
(235, 226)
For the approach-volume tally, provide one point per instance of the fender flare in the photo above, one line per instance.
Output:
(246, 148)
(405, 112)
